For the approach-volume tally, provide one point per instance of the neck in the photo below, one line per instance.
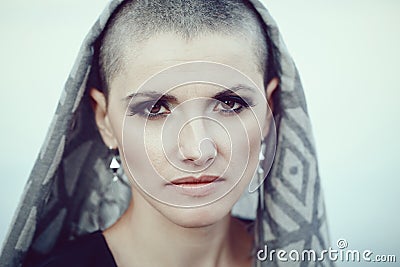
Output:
(145, 237)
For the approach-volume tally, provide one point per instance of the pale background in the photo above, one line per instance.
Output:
(347, 54)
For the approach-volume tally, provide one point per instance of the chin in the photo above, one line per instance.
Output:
(189, 217)
(197, 217)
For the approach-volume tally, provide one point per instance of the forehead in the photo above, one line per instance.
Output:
(154, 56)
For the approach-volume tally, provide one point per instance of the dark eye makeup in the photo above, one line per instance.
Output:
(151, 109)
(229, 103)
(226, 103)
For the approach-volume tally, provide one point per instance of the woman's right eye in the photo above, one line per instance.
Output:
(157, 109)
(150, 109)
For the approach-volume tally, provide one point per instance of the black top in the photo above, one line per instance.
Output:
(86, 251)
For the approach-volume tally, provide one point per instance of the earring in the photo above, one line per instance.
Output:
(115, 164)
(260, 240)
(261, 173)
(258, 177)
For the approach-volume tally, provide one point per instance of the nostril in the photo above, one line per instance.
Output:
(208, 151)
(202, 153)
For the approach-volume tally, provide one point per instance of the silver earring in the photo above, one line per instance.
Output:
(258, 178)
(115, 164)
(261, 198)
(261, 173)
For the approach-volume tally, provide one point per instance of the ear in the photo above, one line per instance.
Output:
(99, 105)
(271, 87)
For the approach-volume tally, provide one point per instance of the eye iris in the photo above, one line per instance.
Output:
(228, 104)
(155, 108)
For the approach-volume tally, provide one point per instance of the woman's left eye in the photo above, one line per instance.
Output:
(230, 105)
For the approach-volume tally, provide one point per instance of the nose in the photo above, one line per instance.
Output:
(195, 145)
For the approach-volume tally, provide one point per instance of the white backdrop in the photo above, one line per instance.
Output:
(348, 58)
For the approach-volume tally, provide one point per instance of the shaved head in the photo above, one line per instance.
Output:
(135, 22)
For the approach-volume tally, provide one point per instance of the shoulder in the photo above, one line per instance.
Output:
(88, 250)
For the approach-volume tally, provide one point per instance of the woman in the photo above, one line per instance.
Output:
(162, 140)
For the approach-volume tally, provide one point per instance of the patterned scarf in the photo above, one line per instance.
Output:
(61, 200)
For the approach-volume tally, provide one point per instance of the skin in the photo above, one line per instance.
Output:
(168, 235)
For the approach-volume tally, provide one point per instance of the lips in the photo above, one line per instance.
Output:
(192, 181)
(196, 187)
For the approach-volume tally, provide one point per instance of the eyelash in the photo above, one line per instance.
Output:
(244, 104)
(149, 105)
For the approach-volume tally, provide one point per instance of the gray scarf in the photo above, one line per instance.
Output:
(61, 199)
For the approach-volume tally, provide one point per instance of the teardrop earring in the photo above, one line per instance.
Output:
(261, 175)
(115, 164)
(261, 197)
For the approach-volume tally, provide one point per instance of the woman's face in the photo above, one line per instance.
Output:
(188, 118)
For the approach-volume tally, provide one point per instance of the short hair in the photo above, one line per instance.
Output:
(135, 21)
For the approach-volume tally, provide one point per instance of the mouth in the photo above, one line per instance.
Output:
(197, 187)
(192, 181)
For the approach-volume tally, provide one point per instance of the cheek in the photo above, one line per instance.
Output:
(140, 152)
(245, 150)
(245, 140)
(154, 147)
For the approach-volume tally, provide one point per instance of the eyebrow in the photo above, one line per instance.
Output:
(151, 95)
(171, 98)
(233, 90)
